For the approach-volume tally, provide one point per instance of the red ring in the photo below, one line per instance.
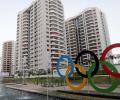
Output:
(106, 69)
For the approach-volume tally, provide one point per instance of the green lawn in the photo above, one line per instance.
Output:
(39, 80)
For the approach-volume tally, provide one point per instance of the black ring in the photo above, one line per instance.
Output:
(96, 63)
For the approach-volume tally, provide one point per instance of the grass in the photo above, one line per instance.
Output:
(36, 80)
(43, 80)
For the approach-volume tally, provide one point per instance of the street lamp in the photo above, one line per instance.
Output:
(23, 69)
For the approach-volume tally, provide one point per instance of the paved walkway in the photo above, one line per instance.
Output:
(39, 88)
(52, 90)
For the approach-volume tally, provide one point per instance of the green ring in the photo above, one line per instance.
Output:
(114, 80)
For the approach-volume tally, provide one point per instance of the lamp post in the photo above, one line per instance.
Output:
(49, 63)
(49, 58)
(23, 69)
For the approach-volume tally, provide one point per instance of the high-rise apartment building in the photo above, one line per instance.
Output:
(40, 35)
(8, 57)
(87, 31)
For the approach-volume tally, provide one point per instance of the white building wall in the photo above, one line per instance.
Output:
(87, 31)
(45, 17)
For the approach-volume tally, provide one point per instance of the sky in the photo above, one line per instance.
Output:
(10, 8)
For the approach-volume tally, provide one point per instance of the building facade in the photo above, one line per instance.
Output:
(87, 31)
(8, 57)
(40, 35)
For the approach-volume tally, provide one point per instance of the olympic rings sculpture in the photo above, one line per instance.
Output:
(93, 70)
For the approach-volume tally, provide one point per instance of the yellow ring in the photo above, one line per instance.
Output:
(74, 87)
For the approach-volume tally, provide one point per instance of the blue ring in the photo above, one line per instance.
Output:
(61, 58)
